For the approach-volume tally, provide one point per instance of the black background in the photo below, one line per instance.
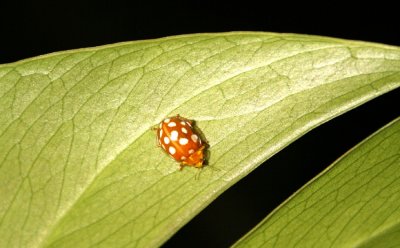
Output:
(33, 28)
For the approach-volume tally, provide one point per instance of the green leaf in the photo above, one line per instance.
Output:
(354, 203)
(78, 159)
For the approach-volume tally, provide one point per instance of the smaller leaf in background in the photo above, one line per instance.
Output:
(354, 203)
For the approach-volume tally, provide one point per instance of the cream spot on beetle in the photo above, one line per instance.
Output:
(172, 150)
(172, 124)
(160, 125)
(184, 130)
(194, 137)
(166, 120)
(166, 140)
(183, 158)
(191, 151)
(174, 135)
(160, 133)
(183, 123)
(183, 141)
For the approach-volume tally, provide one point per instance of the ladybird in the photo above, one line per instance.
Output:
(177, 137)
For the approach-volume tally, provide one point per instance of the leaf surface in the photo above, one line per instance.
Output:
(78, 159)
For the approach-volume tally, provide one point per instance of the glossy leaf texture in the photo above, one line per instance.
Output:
(79, 164)
(354, 203)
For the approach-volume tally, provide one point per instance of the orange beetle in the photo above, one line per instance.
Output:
(178, 139)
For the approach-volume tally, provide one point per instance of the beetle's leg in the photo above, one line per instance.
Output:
(156, 129)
